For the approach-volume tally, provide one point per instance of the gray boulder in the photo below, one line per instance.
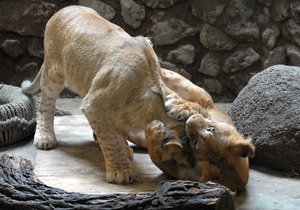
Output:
(268, 110)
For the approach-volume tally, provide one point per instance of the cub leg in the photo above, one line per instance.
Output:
(186, 89)
(183, 98)
(44, 137)
(113, 145)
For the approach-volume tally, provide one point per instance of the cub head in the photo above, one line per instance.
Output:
(221, 145)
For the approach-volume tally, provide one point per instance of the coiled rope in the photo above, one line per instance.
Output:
(17, 115)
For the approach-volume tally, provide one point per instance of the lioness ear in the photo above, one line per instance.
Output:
(171, 146)
(243, 148)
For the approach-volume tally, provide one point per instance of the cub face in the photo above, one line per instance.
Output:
(220, 144)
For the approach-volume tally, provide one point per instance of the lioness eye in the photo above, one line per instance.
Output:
(210, 129)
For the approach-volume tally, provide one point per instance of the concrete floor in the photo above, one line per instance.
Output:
(266, 190)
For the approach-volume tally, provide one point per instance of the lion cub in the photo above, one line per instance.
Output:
(206, 148)
(207, 151)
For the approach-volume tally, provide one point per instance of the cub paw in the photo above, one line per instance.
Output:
(121, 176)
(156, 130)
(44, 141)
(180, 109)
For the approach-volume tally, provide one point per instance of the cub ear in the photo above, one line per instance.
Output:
(242, 148)
(171, 146)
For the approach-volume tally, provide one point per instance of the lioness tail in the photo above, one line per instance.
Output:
(32, 87)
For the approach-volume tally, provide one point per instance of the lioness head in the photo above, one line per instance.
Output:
(221, 145)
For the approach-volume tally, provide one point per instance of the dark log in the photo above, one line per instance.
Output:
(20, 189)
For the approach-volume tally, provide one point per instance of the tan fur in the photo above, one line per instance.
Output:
(220, 156)
(119, 78)
(124, 89)
(208, 150)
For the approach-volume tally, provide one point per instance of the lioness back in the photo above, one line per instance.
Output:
(79, 40)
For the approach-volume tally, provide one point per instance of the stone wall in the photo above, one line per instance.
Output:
(217, 44)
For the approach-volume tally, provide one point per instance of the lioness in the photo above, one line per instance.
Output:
(121, 82)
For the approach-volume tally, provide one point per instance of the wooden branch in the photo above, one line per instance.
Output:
(20, 189)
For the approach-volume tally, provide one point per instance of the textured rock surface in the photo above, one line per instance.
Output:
(103, 9)
(165, 31)
(228, 41)
(270, 36)
(184, 54)
(240, 60)
(27, 18)
(276, 56)
(215, 39)
(12, 47)
(268, 110)
(132, 13)
(210, 64)
(293, 54)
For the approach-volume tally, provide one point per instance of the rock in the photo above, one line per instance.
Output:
(173, 67)
(270, 36)
(27, 17)
(263, 17)
(207, 10)
(167, 31)
(210, 64)
(240, 15)
(240, 60)
(295, 10)
(293, 54)
(243, 31)
(12, 47)
(277, 56)
(132, 13)
(236, 83)
(184, 54)
(36, 48)
(101, 8)
(28, 68)
(159, 3)
(212, 86)
(279, 10)
(291, 30)
(215, 39)
(268, 110)
(267, 3)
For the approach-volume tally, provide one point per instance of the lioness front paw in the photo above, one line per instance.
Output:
(180, 109)
(44, 141)
(121, 176)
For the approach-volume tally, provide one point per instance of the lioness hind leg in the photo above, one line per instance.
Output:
(44, 137)
(115, 150)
